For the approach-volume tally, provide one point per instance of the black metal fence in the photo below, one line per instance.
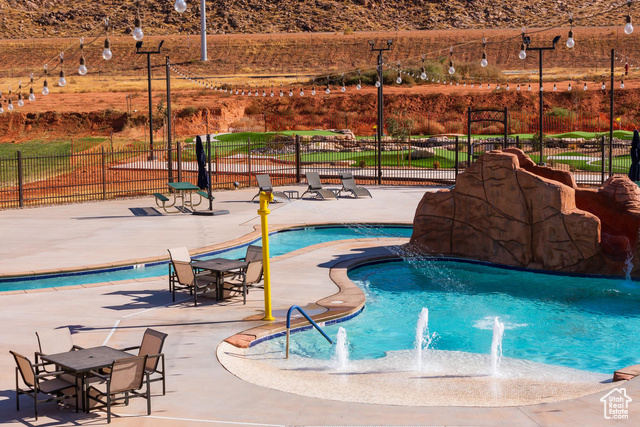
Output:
(102, 174)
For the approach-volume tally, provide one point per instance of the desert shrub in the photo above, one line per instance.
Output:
(436, 165)
(455, 127)
(400, 127)
(362, 163)
(495, 129)
(559, 112)
(429, 127)
(253, 109)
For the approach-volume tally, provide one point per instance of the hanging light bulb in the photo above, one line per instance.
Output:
(313, 91)
(488, 85)
(472, 85)
(423, 74)
(518, 88)
(137, 30)
(20, 101)
(507, 88)
(399, 79)
(180, 6)
(457, 83)
(451, 69)
(464, 84)
(541, 88)
(523, 52)
(570, 42)
(10, 105)
(603, 87)
(82, 69)
(1, 109)
(498, 86)
(291, 92)
(359, 85)
(62, 82)
(32, 96)
(45, 85)
(569, 88)
(343, 88)
(585, 86)
(281, 93)
(327, 90)
(272, 94)
(377, 82)
(301, 92)
(483, 61)
(480, 86)
(628, 26)
(106, 53)
(529, 89)
(555, 88)
(622, 84)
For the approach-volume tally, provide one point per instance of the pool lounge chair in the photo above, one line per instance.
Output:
(349, 185)
(264, 183)
(315, 187)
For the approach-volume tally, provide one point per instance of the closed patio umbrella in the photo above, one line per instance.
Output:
(203, 176)
(634, 170)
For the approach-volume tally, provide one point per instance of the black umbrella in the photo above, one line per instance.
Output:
(634, 170)
(203, 176)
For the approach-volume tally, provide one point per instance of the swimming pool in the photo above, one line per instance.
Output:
(280, 243)
(588, 324)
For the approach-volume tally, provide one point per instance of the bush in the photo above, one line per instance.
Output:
(436, 165)
(253, 109)
(559, 112)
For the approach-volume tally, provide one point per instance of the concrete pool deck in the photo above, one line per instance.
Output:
(199, 389)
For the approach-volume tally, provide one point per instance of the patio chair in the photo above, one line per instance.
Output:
(176, 254)
(52, 342)
(186, 278)
(126, 378)
(47, 383)
(251, 275)
(315, 187)
(264, 184)
(349, 185)
(151, 346)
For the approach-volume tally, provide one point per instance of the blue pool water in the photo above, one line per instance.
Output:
(583, 323)
(280, 243)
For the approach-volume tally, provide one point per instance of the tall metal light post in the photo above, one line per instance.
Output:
(526, 40)
(380, 84)
(149, 53)
(203, 30)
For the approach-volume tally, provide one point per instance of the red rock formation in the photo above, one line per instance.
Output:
(505, 209)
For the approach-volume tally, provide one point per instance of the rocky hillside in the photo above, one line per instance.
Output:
(71, 18)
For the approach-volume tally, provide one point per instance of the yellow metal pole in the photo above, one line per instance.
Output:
(265, 199)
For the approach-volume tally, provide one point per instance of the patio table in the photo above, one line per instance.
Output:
(218, 267)
(81, 362)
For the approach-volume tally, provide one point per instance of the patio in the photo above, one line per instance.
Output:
(199, 389)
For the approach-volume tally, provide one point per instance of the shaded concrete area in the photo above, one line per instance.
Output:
(199, 389)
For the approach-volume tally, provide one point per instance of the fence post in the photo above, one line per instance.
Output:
(179, 158)
(602, 157)
(298, 160)
(104, 174)
(610, 156)
(20, 180)
(249, 160)
(456, 159)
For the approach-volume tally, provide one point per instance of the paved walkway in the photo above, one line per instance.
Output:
(199, 390)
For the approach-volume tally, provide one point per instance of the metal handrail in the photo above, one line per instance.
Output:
(314, 324)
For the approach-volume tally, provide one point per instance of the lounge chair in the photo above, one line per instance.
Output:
(186, 278)
(177, 254)
(315, 187)
(126, 378)
(349, 185)
(151, 346)
(48, 383)
(264, 184)
(251, 275)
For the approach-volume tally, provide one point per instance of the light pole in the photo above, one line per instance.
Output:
(149, 53)
(180, 6)
(379, 84)
(526, 40)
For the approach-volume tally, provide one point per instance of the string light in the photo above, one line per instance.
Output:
(62, 82)
(291, 92)
(45, 85)
(137, 23)
(555, 88)
(483, 61)
(313, 90)
(106, 53)
(570, 42)
(585, 86)
(529, 88)
(603, 87)
(32, 96)
(20, 101)
(10, 105)
(569, 88)
(628, 26)
(518, 88)
(82, 69)
(377, 84)
(451, 69)
(622, 84)
(301, 92)
(327, 90)
(398, 79)
(423, 74)
(180, 6)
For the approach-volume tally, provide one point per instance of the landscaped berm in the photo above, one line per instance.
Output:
(507, 210)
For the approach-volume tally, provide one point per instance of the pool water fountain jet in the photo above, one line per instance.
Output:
(341, 355)
(423, 339)
(496, 346)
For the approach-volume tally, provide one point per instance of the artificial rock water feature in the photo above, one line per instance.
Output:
(506, 210)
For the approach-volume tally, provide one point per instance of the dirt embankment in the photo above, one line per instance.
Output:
(57, 116)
